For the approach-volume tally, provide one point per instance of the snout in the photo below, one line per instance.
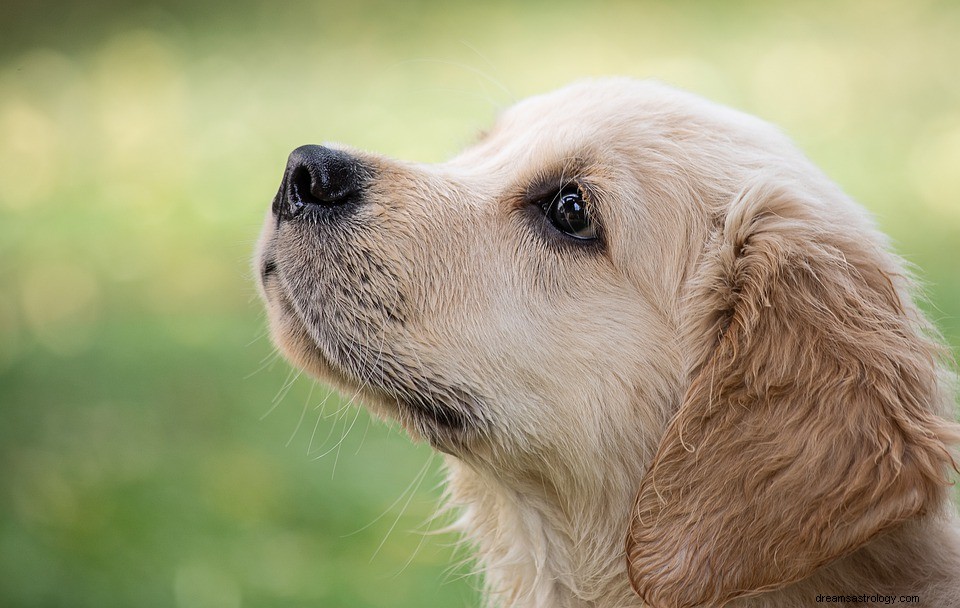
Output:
(317, 180)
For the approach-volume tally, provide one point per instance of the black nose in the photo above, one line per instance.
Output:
(318, 178)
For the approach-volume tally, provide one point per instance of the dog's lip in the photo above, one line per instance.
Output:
(268, 268)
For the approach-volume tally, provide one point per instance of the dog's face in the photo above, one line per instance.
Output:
(622, 280)
(497, 300)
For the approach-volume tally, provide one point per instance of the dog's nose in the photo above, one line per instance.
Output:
(318, 177)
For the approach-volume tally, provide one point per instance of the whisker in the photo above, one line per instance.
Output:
(420, 477)
(340, 415)
(278, 398)
(395, 502)
(303, 413)
(322, 407)
(366, 429)
(498, 82)
(265, 362)
(336, 458)
(466, 67)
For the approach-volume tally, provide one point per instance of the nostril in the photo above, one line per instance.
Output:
(301, 189)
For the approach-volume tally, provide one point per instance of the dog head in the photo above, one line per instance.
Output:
(623, 281)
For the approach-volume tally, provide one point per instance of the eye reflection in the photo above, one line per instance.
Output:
(568, 213)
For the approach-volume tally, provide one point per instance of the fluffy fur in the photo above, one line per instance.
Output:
(730, 399)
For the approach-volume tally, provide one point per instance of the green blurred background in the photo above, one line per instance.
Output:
(153, 450)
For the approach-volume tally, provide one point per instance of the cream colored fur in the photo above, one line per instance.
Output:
(731, 400)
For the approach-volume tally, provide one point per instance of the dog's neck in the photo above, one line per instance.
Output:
(536, 546)
(537, 549)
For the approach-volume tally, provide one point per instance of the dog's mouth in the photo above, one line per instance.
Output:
(361, 358)
(268, 268)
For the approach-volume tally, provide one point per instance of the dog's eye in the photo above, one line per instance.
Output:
(568, 213)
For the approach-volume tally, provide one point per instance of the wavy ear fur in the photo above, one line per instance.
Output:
(811, 420)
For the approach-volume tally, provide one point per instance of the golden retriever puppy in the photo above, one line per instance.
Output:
(670, 363)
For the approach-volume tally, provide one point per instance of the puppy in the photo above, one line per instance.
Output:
(670, 363)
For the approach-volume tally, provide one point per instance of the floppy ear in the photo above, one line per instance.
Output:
(810, 422)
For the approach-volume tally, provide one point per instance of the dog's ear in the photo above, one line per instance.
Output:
(810, 422)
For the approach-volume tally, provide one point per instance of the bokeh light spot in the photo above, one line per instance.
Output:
(935, 167)
(29, 146)
(61, 305)
(802, 83)
(142, 100)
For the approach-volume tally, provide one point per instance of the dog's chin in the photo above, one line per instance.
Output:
(446, 429)
(425, 419)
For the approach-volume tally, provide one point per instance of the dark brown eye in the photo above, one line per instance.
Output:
(568, 214)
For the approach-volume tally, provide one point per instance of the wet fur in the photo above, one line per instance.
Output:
(732, 400)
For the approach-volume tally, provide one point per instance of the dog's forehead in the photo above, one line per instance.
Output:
(587, 115)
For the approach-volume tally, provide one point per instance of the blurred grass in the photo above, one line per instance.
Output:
(148, 456)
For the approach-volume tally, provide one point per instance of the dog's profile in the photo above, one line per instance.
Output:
(670, 363)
